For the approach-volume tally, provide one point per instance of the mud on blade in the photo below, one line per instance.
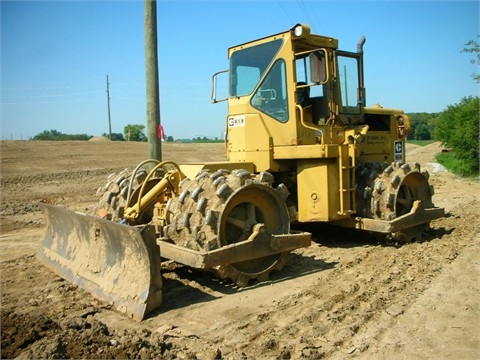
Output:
(116, 263)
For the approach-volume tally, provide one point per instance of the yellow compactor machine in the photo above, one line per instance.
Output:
(301, 147)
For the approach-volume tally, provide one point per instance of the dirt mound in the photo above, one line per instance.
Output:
(99, 138)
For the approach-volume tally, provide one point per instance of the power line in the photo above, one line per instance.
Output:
(285, 12)
(313, 10)
(306, 13)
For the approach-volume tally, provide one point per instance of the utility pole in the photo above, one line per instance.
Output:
(153, 97)
(108, 106)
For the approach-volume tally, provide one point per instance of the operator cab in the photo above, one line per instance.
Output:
(328, 83)
(336, 87)
(286, 89)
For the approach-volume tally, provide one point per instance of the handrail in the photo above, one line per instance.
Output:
(315, 128)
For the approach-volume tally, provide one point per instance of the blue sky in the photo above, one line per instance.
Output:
(55, 57)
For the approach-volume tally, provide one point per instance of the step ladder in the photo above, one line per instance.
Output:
(346, 166)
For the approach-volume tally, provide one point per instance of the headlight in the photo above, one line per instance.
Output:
(400, 120)
(300, 30)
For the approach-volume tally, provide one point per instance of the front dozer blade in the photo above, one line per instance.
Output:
(116, 263)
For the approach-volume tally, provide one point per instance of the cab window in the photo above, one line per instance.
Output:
(247, 66)
(271, 96)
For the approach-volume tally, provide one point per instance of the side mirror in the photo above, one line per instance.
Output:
(318, 68)
(213, 97)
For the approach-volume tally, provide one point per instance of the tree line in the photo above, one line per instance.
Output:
(131, 132)
(457, 127)
(55, 135)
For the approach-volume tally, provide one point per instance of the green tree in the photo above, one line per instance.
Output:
(473, 47)
(134, 132)
(422, 126)
(422, 132)
(458, 128)
(47, 135)
(115, 136)
(55, 135)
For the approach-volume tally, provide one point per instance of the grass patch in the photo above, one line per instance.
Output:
(421, 142)
(455, 165)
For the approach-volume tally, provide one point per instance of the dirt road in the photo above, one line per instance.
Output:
(346, 296)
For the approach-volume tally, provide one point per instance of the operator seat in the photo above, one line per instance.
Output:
(303, 95)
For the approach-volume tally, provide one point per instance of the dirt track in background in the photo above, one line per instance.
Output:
(346, 296)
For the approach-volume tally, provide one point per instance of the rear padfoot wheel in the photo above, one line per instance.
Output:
(386, 192)
(122, 191)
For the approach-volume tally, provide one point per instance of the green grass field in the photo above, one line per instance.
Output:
(421, 142)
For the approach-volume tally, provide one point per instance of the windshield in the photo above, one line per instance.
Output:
(248, 66)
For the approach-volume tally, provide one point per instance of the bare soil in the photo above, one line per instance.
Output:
(348, 295)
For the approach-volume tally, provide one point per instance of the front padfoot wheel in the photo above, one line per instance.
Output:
(221, 208)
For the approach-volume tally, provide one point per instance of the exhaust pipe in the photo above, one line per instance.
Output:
(360, 44)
